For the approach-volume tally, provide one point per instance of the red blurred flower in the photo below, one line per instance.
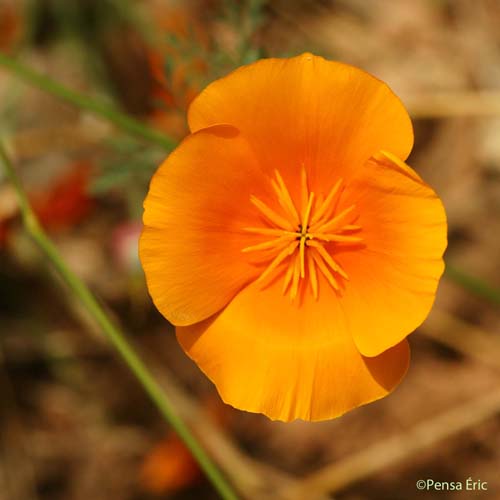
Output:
(67, 202)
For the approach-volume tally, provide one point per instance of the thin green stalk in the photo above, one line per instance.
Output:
(472, 284)
(121, 120)
(115, 336)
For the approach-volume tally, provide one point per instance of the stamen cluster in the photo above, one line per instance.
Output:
(299, 236)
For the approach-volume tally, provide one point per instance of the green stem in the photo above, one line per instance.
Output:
(122, 121)
(115, 336)
(473, 284)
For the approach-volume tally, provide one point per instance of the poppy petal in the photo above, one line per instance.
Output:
(327, 115)
(394, 277)
(269, 355)
(191, 244)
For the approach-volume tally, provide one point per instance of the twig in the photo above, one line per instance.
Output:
(115, 336)
(122, 121)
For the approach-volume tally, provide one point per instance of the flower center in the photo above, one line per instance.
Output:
(300, 236)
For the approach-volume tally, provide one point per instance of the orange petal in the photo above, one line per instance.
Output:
(195, 210)
(394, 277)
(266, 354)
(329, 116)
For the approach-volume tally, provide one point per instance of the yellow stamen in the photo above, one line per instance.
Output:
(285, 199)
(288, 275)
(295, 279)
(337, 237)
(271, 215)
(328, 259)
(311, 267)
(304, 235)
(302, 251)
(327, 204)
(268, 231)
(288, 250)
(305, 221)
(276, 243)
(333, 223)
(324, 269)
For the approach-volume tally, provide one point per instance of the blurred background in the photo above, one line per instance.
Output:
(74, 423)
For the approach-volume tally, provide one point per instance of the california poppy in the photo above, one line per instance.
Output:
(288, 241)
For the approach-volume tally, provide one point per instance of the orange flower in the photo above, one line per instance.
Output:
(67, 202)
(169, 467)
(10, 26)
(288, 241)
(181, 30)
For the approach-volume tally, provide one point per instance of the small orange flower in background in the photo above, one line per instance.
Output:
(67, 202)
(58, 206)
(169, 467)
(289, 243)
(177, 83)
(10, 25)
